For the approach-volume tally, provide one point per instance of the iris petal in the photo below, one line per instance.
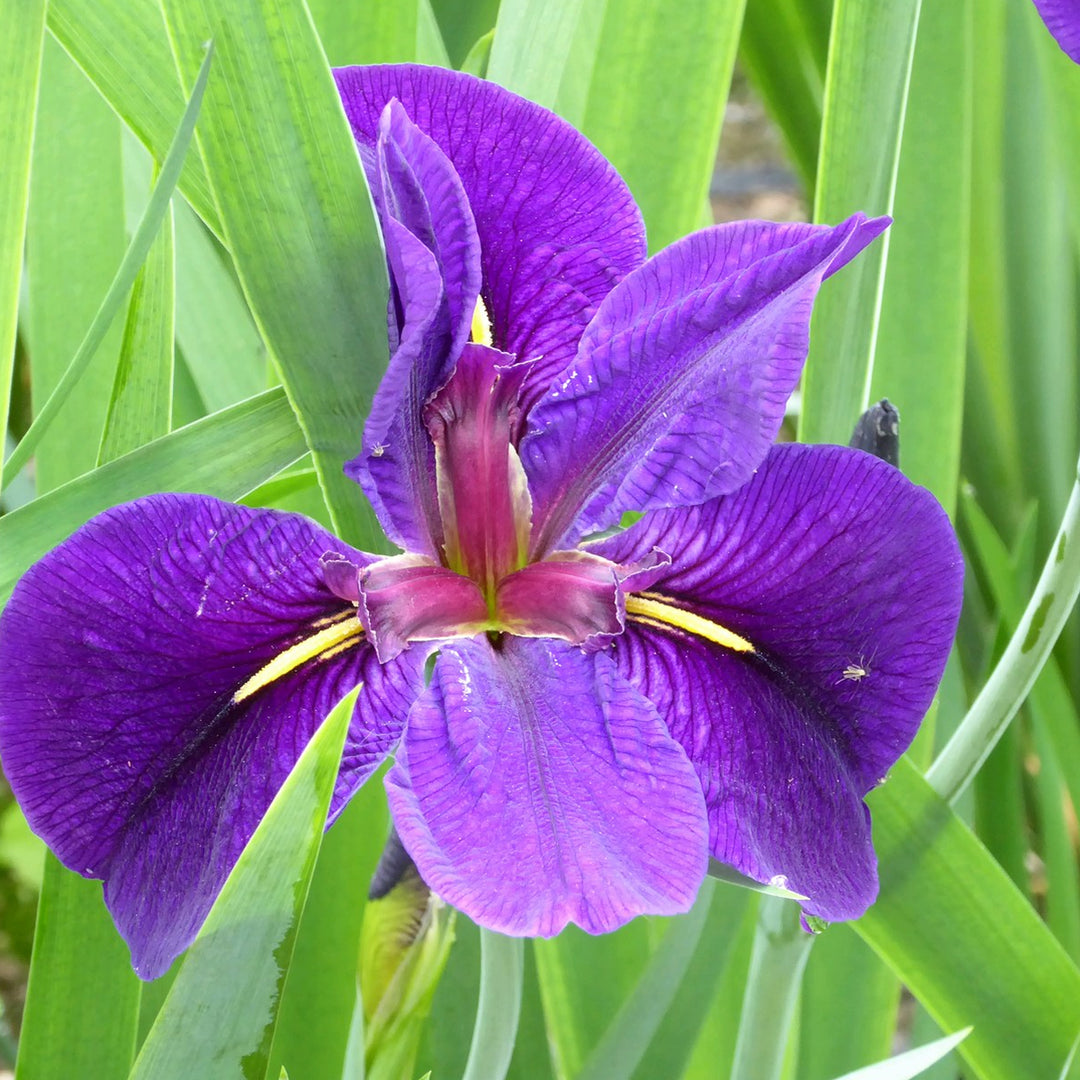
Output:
(434, 258)
(680, 382)
(1062, 18)
(160, 673)
(536, 787)
(846, 579)
(557, 225)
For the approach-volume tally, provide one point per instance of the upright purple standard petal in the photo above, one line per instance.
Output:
(536, 787)
(846, 580)
(1062, 18)
(680, 381)
(142, 726)
(434, 258)
(557, 225)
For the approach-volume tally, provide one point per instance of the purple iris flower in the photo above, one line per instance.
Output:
(727, 677)
(1062, 18)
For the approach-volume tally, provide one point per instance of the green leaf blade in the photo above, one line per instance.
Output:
(866, 89)
(946, 916)
(298, 221)
(224, 455)
(20, 71)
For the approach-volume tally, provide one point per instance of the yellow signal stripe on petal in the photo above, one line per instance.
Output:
(481, 324)
(648, 608)
(327, 642)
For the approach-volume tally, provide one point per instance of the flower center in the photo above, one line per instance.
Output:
(483, 493)
(485, 582)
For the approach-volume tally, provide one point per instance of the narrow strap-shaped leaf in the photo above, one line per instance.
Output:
(218, 1019)
(531, 45)
(312, 1034)
(214, 329)
(849, 1009)
(618, 1052)
(141, 406)
(122, 47)
(366, 31)
(156, 210)
(783, 58)
(947, 915)
(82, 1002)
(74, 242)
(866, 91)
(656, 1027)
(20, 69)
(657, 121)
(462, 22)
(912, 1063)
(430, 47)
(297, 220)
(224, 455)
(919, 365)
(583, 983)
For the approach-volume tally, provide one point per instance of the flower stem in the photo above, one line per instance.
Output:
(781, 949)
(1020, 663)
(501, 973)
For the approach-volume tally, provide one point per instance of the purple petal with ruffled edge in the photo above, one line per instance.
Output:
(536, 787)
(421, 190)
(681, 380)
(434, 258)
(397, 469)
(131, 732)
(412, 598)
(1062, 18)
(846, 578)
(571, 595)
(557, 225)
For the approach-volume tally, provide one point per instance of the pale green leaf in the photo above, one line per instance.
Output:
(75, 241)
(214, 329)
(82, 366)
(141, 406)
(657, 121)
(955, 929)
(532, 42)
(866, 90)
(908, 1065)
(122, 47)
(919, 364)
(224, 455)
(298, 221)
(20, 68)
(82, 1001)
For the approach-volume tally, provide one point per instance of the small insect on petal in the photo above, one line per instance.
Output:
(855, 672)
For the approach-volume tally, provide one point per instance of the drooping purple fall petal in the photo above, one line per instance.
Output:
(846, 579)
(536, 787)
(680, 381)
(1062, 18)
(557, 225)
(134, 733)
